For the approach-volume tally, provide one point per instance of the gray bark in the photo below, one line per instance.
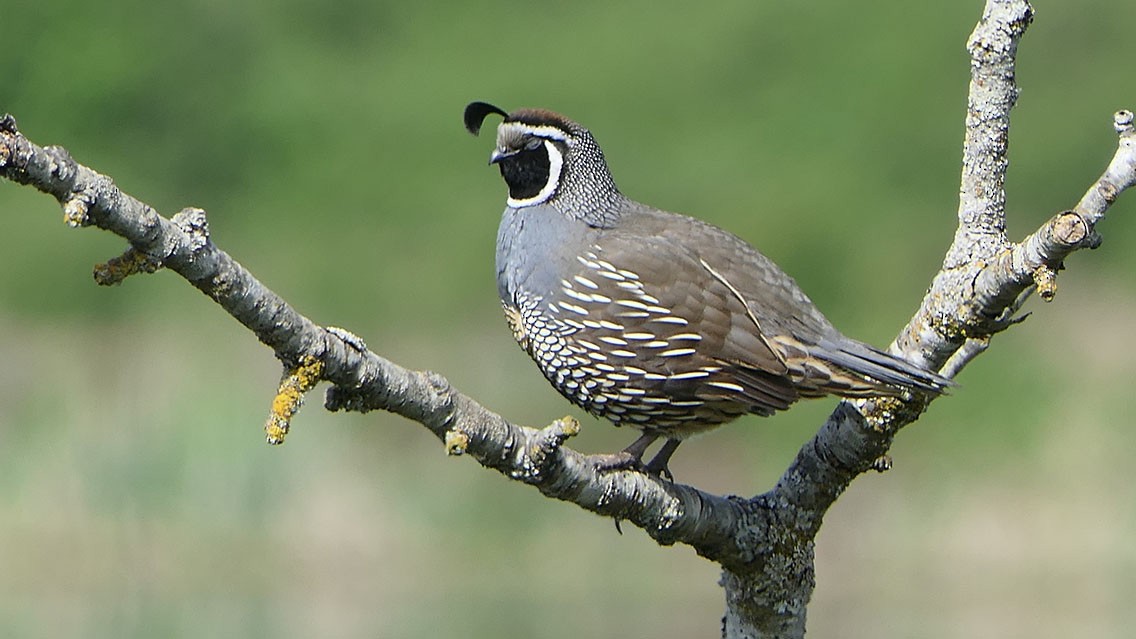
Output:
(764, 543)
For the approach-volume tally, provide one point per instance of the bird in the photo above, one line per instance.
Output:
(651, 319)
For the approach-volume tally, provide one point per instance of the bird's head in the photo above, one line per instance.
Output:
(545, 157)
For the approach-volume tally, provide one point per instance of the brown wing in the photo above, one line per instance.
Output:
(819, 359)
(682, 323)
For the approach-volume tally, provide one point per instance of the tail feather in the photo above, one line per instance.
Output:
(889, 370)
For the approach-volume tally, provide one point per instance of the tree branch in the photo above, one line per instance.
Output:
(764, 543)
(983, 283)
(362, 379)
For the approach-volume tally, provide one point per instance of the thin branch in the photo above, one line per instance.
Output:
(670, 513)
(992, 94)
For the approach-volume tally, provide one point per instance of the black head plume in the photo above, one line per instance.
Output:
(476, 112)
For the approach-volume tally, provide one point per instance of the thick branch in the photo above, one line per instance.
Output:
(937, 330)
(851, 441)
(993, 92)
(974, 295)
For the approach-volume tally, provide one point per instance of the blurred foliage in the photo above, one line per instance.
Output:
(324, 140)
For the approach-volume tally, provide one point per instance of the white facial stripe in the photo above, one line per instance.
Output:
(542, 131)
(555, 165)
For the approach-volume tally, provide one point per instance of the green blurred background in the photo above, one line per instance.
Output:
(137, 498)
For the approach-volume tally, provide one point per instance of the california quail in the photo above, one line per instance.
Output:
(653, 319)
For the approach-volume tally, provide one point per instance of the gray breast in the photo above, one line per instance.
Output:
(622, 345)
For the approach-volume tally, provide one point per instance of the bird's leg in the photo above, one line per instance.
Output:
(658, 464)
(630, 457)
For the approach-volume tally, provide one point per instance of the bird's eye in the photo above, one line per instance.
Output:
(533, 144)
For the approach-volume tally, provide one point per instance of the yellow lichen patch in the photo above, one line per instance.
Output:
(456, 442)
(293, 386)
(569, 426)
(75, 212)
(1046, 280)
(882, 413)
(119, 268)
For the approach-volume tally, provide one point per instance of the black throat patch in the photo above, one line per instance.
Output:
(526, 173)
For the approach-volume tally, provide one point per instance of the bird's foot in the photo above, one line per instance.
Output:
(622, 460)
(658, 464)
(659, 470)
(631, 458)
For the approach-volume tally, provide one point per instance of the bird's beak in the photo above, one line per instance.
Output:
(498, 155)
